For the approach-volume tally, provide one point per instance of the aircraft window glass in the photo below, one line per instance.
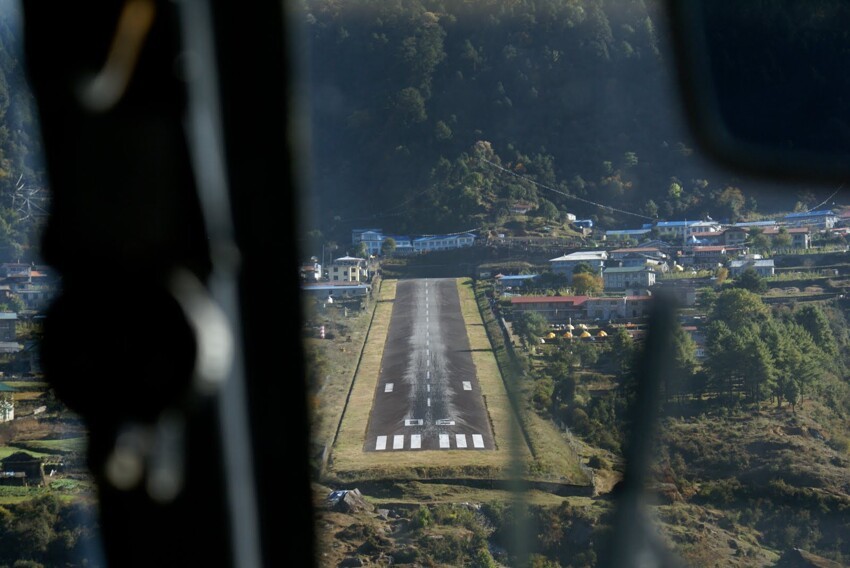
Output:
(550, 129)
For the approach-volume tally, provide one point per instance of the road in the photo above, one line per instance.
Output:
(428, 396)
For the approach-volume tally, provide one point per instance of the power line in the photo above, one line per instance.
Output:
(825, 200)
(559, 192)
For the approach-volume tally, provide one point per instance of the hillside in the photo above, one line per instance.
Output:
(736, 480)
(430, 116)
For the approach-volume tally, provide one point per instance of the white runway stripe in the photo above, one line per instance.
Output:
(460, 439)
(415, 442)
(444, 440)
(398, 442)
(478, 440)
(467, 385)
(388, 387)
(381, 444)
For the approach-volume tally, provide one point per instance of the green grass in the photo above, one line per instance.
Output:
(62, 445)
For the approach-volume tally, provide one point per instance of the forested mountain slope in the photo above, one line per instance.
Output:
(414, 106)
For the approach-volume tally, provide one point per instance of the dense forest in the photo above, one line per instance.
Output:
(24, 188)
(428, 115)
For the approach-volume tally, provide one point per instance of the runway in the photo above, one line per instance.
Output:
(428, 396)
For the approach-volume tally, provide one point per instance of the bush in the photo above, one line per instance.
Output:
(598, 462)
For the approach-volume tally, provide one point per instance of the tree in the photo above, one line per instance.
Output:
(756, 365)
(583, 268)
(410, 105)
(388, 246)
(684, 363)
(758, 240)
(530, 326)
(782, 239)
(737, 308)
(814, 321)
(623, 350)
(362, 251)
(585, 284)
(547, 210)
(730, 202)
(750, 280)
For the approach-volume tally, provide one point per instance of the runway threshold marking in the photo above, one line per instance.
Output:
(467, 385)
(388, 387)
(398, 442)
(460, 439)
(381, 443)
(444, 440)
(415, 442)
(478, 440)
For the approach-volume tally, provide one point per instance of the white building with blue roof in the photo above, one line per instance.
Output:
(683, 229)
(443, 242)
(821, 219)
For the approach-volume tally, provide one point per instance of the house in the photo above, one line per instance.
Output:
(23, 466)
(763, 267)
(8, 325)
(403, 244)
(511, 281)
(735, 236)
(348, 269)
(556, 309)
(621, 235)
(645, 252)
(710, 254)
(801, 237)
(521, 207)
(443, 242)
(624, 307)
(680, 230)
(628, 278)
(819, 219)
(372, 238)
(706, 237)
(311, 271)
(336, 290)
(565, 265)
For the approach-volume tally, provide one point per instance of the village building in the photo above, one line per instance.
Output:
(443, 242)
(513, 281)
(556, 309)
(801, 237)
(348, 269)
(818, 219)
(624, 307)
(762, 267)
(564, 265)
(628, 278)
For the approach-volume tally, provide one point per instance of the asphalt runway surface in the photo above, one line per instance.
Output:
(428, 397)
